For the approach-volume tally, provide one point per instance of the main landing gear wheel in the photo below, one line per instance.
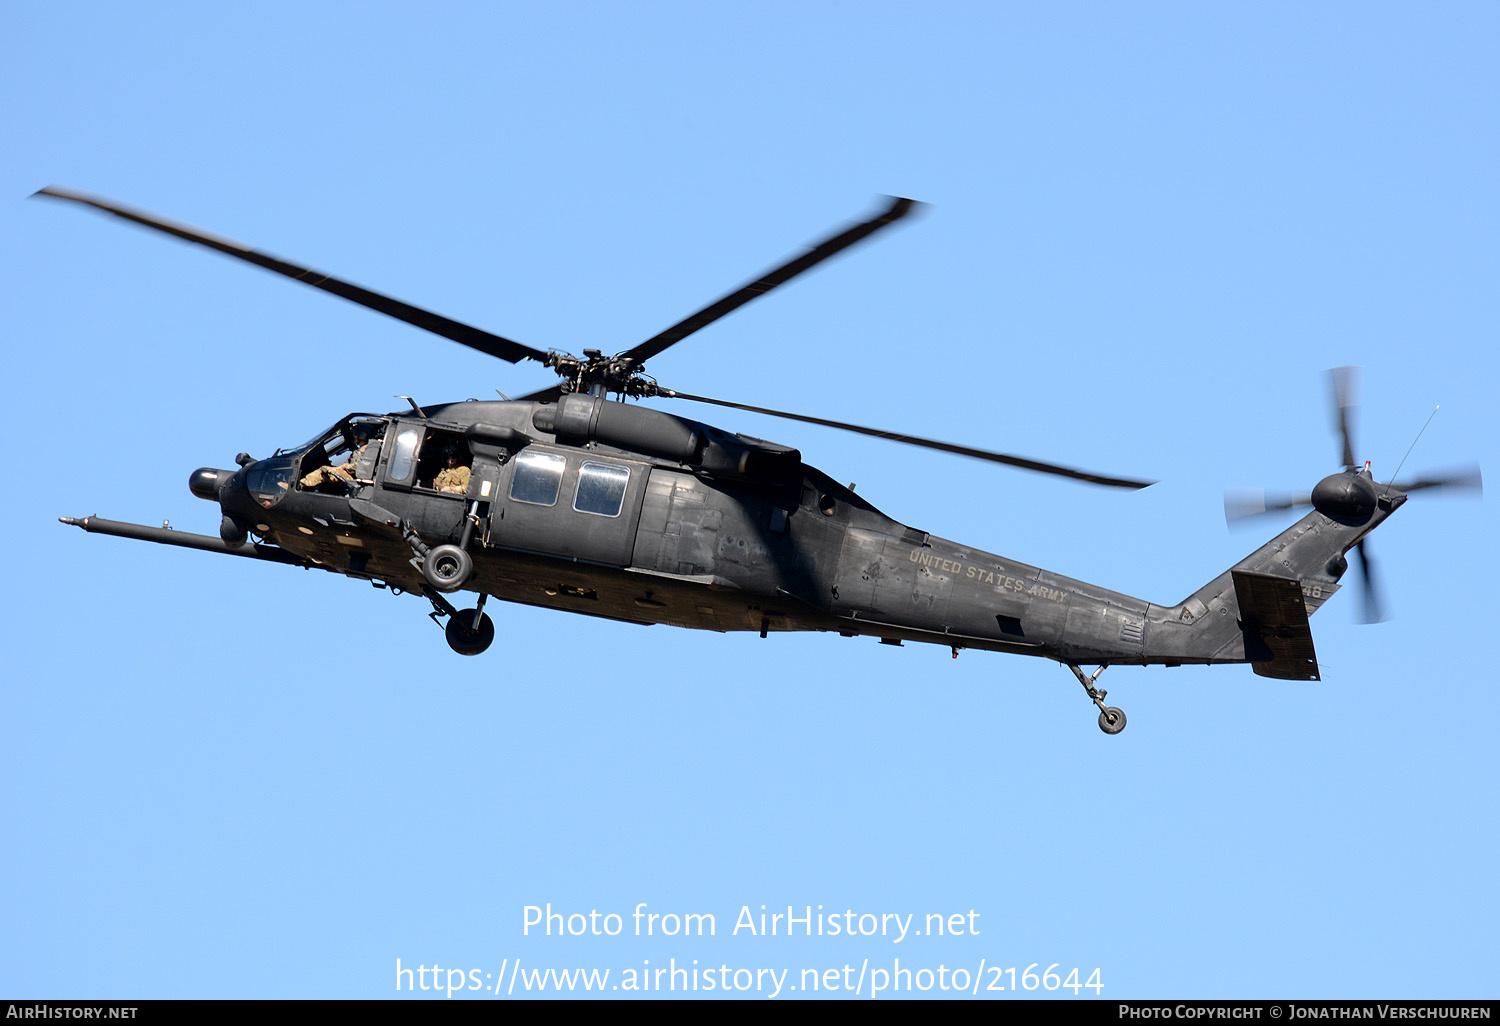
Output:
(1111, 718)
(463, 638)
(447, 567)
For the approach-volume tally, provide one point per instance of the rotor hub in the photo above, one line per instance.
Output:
(595, 373)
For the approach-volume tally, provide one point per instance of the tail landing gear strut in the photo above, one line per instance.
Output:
(1111, 718)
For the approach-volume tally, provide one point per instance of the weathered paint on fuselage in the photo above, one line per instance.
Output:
(712, 551)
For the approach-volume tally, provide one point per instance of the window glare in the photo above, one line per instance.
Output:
(537, 478)
(601, 489)
(401, 461)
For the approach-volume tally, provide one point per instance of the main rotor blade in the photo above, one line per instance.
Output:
(1465, 479)
(1240, 505)
(1345, 384)
(898, 209)
(927, 443)
(464, 334)
(550, 394)
(1373, 609)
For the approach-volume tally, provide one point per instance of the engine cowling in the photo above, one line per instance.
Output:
(578, 419)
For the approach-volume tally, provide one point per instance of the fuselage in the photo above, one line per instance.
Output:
(632, 514)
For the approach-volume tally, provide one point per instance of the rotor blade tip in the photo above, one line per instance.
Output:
(72, 195)
(902, 206)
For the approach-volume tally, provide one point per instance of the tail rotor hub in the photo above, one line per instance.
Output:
(1348, 497)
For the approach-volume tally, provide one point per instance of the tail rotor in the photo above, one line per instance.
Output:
(1350, 494)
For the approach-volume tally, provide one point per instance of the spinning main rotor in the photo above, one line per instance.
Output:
(622, 374)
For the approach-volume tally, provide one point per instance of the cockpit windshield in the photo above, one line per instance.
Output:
(269, 480)
(340, 437)
(342, 456)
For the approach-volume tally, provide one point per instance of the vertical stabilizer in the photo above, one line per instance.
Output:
(1273, 620)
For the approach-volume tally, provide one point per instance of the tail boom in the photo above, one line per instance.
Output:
(1244, 616)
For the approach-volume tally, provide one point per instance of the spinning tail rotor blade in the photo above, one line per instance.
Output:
(1459, 479)
(1345, 386)
(464, 334)
(1373, 608)
(1241, 505)
(927, 443)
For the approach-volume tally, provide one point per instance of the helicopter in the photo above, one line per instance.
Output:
(569, 499)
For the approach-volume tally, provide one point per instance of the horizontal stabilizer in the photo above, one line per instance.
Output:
(1273, 618)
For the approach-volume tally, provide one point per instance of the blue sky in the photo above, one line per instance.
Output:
(1153, 228)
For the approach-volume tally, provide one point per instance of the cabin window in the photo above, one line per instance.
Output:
(601, 489)
(536, 478)
(403, 458)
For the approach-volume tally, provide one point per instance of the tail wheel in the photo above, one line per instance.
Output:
(462, 636)
(447, 567)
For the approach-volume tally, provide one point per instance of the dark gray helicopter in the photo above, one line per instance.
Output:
(566, 499)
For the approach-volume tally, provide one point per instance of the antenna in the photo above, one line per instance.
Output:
(1414, 442)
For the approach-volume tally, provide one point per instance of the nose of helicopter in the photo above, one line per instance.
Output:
(206, 481)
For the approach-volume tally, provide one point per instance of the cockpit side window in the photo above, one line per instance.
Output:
(403, 459)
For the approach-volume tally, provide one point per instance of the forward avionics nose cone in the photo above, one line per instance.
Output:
(1347, 497)
(205, 481)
